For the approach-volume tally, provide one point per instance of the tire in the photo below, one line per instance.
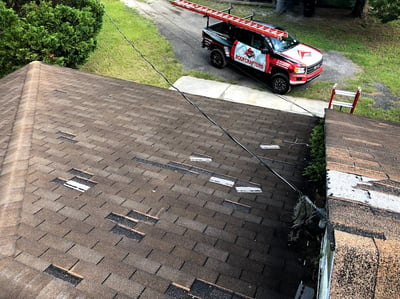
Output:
(217, 58)
(280, 83)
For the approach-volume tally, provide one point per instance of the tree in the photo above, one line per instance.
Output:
(10, 31)
(384, 10)
(359, 8)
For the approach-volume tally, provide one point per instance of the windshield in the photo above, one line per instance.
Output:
(284, 43)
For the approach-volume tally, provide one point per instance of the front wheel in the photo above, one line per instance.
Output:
(217, 58)
(280, 83)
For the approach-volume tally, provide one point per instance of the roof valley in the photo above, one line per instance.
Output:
(16, 161)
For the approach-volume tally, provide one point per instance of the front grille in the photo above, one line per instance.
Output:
(312, 68)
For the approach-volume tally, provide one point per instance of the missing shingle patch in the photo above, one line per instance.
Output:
(66, 137)
(176, 291)
(79, 184)
(237, 206)
(59, 181)
(222, 181)
(200, 158)
(269, 146)
(127, 232)
(142, 217)
(80, 173)
(63, 274)
(165, 166)
(247, 187)
(203, 289)
(123, 220)
(192, 168)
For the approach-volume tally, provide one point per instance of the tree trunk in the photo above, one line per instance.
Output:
(359, 9)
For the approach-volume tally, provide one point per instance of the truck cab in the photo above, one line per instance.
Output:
(285, 59)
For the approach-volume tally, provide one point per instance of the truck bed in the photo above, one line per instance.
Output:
(219, 32)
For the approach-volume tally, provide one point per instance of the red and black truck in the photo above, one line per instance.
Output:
(258, 45)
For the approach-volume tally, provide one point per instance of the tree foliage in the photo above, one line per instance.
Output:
(61, 32)
(10, 31)
(385, 10)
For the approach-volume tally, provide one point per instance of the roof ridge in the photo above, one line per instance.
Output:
(16, 160)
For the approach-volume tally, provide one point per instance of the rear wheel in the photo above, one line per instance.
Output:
(280, 83)
(217, 58)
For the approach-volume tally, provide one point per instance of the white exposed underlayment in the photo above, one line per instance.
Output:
(222, 181)
(269, 146)
(344, 185)
(76, 186)
(200, 159)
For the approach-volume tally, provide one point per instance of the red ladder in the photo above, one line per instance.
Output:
(225, 17)
(351, 106)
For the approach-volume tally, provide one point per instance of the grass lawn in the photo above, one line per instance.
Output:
(115, 57)
(371, 45)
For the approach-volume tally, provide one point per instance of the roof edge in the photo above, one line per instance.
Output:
(16, 161)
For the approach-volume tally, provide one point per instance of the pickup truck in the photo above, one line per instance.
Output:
(286, 60)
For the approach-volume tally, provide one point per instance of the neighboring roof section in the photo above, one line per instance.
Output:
(363, 176)
(363, 146)
(113, 189)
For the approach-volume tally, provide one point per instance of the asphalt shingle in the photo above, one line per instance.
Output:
(363, 205)
(135, 142)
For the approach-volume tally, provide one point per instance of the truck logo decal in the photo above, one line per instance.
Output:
(249, 53)
(250, 56)
(303, 54)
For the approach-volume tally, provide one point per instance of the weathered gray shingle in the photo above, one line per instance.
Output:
(362, 162)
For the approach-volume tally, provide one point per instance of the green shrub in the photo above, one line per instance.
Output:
(316, 169)
(53, 32)
(93, 6)
(61, 35)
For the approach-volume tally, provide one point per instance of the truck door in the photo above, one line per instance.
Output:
(250, 49)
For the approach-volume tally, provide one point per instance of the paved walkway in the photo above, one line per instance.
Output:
(240, 94)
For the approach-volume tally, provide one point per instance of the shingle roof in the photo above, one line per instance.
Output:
(364, 205)
(124, 190)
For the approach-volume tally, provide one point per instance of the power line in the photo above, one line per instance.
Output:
(214, 122)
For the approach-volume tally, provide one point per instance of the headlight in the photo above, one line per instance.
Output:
(299, 70)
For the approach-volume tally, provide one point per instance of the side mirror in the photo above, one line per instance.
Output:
(264, 50)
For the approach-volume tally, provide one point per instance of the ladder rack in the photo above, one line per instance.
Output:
(228, 18)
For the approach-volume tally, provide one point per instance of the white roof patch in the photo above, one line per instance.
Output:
(347, 186)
